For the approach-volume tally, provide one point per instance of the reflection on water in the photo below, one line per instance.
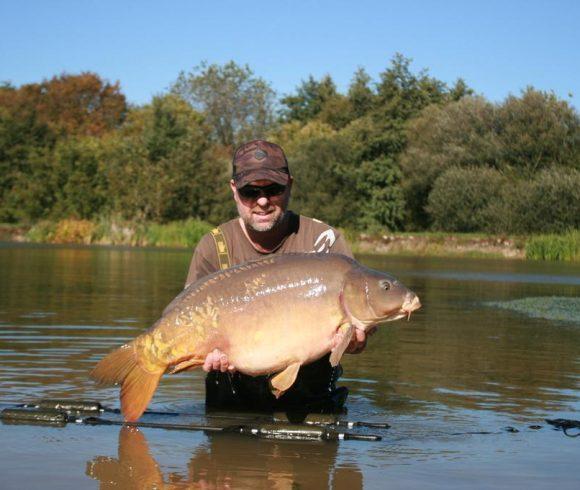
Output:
(225, 461)
(459, 365)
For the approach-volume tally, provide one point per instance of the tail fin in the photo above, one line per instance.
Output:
(137, 384)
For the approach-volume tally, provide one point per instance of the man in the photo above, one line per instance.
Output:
(261, 185)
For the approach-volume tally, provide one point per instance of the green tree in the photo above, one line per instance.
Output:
(360, 96)
(40, 170)
(381, 202)
(310, 99)
(401, 95)
(77, 179)
(28, 194)
(83, 104)
(536, 131)
(237, 105)
(519, 137)
(325, 185)
(152, 163)
(25, 146)
(458, 134)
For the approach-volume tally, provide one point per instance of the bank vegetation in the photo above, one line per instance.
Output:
(399, 156)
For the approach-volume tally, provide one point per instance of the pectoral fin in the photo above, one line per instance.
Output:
(284, 379)
(185, 365)
(342, 337)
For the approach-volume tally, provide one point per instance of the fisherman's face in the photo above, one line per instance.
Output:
(262, 211)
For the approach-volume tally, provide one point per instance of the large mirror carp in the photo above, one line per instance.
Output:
(268, 316)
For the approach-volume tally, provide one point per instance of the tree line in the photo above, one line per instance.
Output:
(402, 152)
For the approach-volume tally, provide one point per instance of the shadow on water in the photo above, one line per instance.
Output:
(459, 365)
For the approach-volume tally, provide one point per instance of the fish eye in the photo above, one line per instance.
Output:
(386, 285)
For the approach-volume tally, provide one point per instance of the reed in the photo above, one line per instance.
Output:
(175, 234)
(565, 247)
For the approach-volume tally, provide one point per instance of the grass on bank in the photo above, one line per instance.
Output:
(440, 244)
(554, 247)
(187, 233)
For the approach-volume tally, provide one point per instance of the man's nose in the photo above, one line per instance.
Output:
(262, 201)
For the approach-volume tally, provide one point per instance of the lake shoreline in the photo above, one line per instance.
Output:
(442, 245)
(419, 244)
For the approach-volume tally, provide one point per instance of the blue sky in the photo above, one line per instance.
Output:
(498, 47)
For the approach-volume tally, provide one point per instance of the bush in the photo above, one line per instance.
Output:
(74, 231)
(63, 231)
(463, 199)
(550, 203)
(520, 137)
(41, 232)
(459, 134)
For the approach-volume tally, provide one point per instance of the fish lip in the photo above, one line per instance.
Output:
(397, 316)
(411, 304)
(391, 317)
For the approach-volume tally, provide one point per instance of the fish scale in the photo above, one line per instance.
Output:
(269, 316)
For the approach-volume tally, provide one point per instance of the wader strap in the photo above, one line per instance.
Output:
(221, 248)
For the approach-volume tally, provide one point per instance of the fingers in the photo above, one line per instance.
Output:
(216, 360)
(208, 363)
(223, 363)
(360, 335)
(358, 342)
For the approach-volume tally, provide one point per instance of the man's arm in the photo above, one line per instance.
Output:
(204, 260)
(201, 265)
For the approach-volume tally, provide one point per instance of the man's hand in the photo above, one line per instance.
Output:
(216, 360)
(359, 340)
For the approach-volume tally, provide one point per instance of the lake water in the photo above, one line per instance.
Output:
(451, 382)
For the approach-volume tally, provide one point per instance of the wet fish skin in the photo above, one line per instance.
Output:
(268, 316)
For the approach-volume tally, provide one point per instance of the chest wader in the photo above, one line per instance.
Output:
(313, 391)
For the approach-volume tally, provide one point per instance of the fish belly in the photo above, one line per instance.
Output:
(270, 344)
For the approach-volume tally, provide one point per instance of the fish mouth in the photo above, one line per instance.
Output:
(411, 304)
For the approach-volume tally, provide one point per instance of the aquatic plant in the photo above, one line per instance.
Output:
(550, 307)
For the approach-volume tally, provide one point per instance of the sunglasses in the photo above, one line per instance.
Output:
(254, 192)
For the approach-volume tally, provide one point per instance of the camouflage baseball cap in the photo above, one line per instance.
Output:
(260, 160)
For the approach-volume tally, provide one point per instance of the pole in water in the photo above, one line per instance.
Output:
(92, 406)
(266, 431)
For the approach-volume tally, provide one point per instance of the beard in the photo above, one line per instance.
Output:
(267, 226)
